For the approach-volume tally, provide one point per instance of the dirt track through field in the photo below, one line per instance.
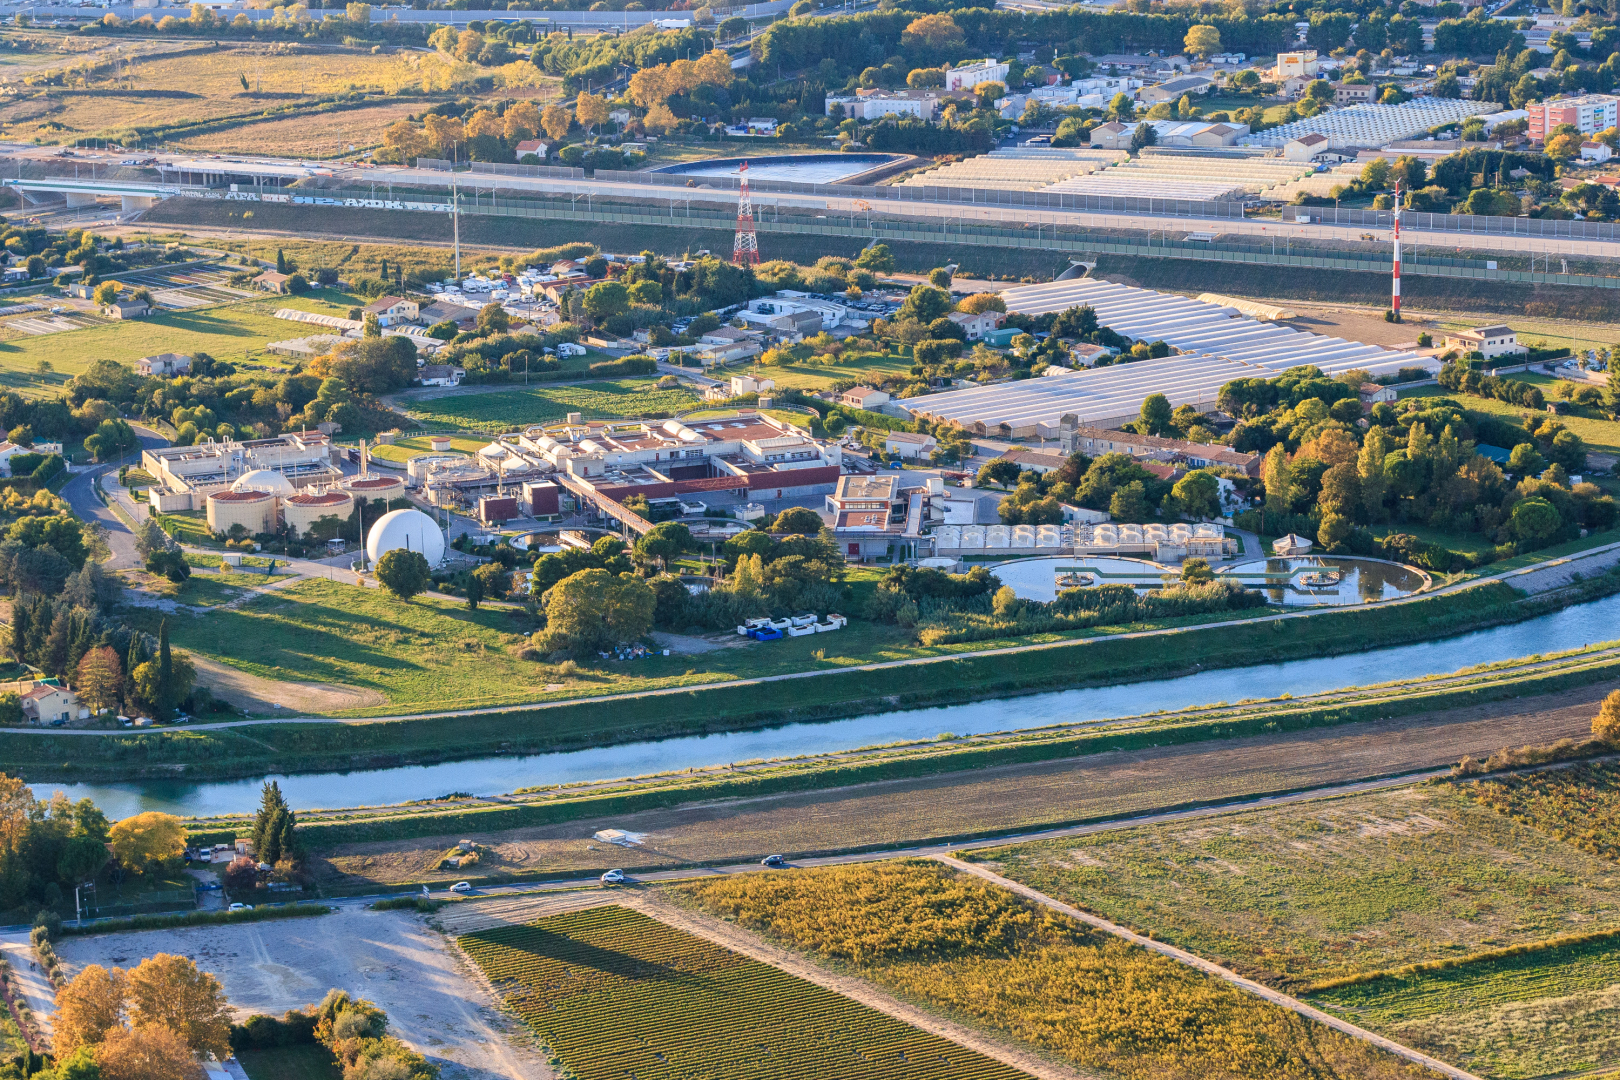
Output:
(490, 914)
(1265, 993)
(1002, 799)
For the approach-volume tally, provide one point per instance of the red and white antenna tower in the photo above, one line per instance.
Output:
(745, 250)
(1395, 283)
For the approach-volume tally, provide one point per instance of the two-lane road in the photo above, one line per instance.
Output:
(81, 497)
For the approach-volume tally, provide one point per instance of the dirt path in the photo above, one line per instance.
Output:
(257, 694)
(998, 800)
(390, 957)
(724, 934)
(41, 995)
(1265, 993)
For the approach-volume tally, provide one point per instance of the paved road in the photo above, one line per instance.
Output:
(80, 495)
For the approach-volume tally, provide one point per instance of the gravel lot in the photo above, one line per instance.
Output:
(389, 957)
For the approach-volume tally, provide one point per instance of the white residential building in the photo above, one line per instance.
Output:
(967, 76)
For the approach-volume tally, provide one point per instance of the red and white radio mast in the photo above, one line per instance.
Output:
(745, 250)
(1395, 284)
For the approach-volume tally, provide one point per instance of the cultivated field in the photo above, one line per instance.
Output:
(503, 410)
(195, 84)
(317, 135)
(1544, 1013)
(1110, 785)
(977, 952)
(615, 993)
(1579, 804)
(1300, 894)
(404, 449)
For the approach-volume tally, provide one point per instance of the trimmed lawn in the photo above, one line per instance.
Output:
(405, 449)
(1599, 434)
(503, 410)
(309, 1062)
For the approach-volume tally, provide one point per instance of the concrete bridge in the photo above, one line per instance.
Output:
(132, 195)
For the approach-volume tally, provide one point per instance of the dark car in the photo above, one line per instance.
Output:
(773, 860)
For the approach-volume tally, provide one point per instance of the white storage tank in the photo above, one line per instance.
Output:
(264, 480)
(373, 487)
(410, 529)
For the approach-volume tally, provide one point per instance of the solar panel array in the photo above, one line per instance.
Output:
(1216, 343)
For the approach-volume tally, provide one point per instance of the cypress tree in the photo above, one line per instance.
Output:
(281, 261)
(287, 840)
(165, 680)
(39, 629)
(272, 825)
(383, 273)
(19, 632)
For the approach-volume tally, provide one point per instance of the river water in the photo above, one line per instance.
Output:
(1570, 628)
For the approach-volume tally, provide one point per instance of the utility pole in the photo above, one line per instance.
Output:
(455, 216)
(1395, 282)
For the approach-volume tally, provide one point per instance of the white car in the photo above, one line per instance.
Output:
(461, 887)
(613, 877)
(241, 907)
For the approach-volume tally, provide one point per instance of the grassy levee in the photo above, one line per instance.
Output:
(571, 803)
(256, 750)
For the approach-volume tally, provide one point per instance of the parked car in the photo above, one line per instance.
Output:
(773, 860)
(241, 907)
(461, 887)
(613, 877)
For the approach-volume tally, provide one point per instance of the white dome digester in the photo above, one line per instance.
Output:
(410, 529)
(264, 480)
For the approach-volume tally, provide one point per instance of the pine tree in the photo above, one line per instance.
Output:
(165, 671)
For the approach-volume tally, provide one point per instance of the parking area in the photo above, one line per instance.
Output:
(390, 957)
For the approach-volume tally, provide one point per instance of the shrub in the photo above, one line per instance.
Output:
(629, 365)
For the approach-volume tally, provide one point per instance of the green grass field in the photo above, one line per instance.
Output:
(231, 332)
(309, 1062)
(421, 653)
(614, 993)
(1296, 895)
(404, 449)
(503, 410)
(818, 376)
(1547, 1013)
(1598, 433)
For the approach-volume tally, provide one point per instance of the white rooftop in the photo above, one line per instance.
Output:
(1217, 343)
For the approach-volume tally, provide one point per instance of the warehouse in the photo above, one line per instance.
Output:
(1368, 125)
(1216, 343)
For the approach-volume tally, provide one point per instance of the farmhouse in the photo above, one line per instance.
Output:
(440, 375)
(9, 450)
(391, 310)
(908, 444)
(863, 397)
(126, 309)
(1094, 442)
(270, 281)
(164, 364)
(1490, 341)
(48, 703)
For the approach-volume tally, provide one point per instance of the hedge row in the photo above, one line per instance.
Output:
(199, 918)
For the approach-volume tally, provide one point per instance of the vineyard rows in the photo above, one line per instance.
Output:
(616, 994)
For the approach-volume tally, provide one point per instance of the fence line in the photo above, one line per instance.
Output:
(1477, 224)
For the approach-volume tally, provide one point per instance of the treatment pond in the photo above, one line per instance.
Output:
(1570, 628)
